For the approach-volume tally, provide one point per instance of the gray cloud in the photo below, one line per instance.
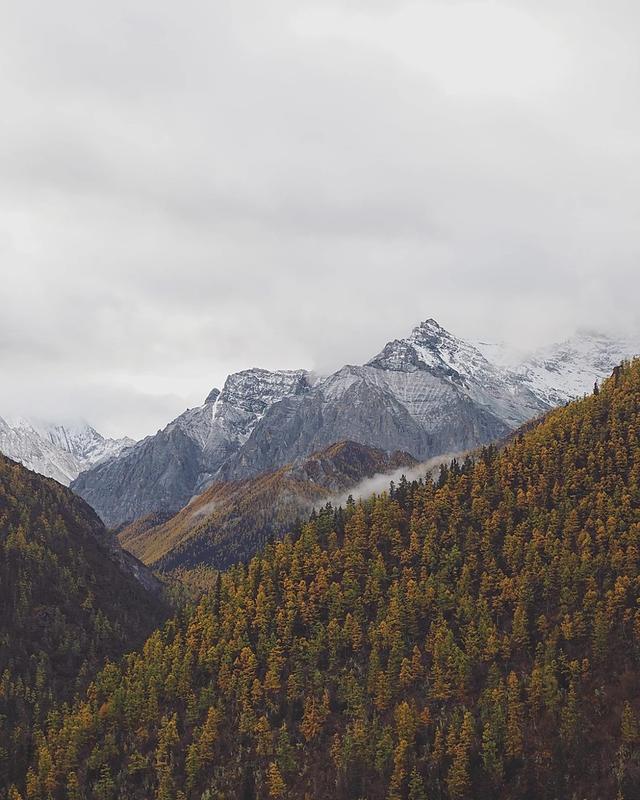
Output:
(188, 189)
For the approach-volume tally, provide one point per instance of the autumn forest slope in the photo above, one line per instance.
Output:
(474, 637)
(70, 598)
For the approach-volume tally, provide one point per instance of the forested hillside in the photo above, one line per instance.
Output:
(69, 598)
(474, 638)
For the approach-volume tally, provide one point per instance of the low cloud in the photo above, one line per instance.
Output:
(381, 482)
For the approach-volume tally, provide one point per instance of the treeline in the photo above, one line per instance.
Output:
(473, 637)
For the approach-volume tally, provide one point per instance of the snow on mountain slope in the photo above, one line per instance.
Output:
(430, 346)
(562, 372)
(227, 417)
(431, 350)
(501, 354)
(566, 370)
(59, 451)
(427, 394)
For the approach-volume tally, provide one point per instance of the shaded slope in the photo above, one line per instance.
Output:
(70, 597)
(474, 638)
(230, 521)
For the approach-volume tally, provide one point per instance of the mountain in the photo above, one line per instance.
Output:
(564, 371)
(470, 638)
(230, 521)
(427, 394)
(70, 598)
(59, 451)
(161, 473)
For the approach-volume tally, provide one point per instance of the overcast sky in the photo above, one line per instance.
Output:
(191, 188)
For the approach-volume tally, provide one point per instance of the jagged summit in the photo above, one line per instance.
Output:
(254, 389)
(162, 472)
(430, 346)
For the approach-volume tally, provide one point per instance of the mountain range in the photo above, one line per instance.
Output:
(563, 372)
(427, 394)
(56, 450)
(467, 636)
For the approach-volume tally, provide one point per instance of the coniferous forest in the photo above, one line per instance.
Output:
(66, 606)
(319, 400)
(470, 637)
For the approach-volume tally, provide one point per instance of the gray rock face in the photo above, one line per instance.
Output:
(300, 425)
(428, 394)
(158, 474)
(163, 472)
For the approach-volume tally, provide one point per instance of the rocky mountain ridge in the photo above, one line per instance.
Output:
(163, 472)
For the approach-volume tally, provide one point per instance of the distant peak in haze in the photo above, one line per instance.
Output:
(58, 450)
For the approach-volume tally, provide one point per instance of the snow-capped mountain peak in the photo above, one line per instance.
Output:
(182, 458)
(428, 394)
(433, 342)
(429, 346)
(232, 413)
(57, 450)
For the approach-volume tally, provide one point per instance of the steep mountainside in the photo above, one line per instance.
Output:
(567, 370)
(56, 450)
(428, 394)
(230, 521)
(477, 637)
(70, 597)
(163, 472)
(562, 372)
